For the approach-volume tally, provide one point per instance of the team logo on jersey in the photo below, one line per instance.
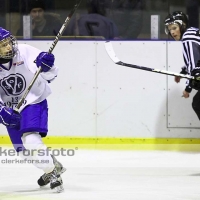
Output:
(14, 84)
(18, 63)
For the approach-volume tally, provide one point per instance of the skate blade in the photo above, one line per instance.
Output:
(59, 189)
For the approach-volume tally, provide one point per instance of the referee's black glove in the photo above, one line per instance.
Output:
(195, 83)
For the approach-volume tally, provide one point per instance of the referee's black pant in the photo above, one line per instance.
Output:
(196, 104)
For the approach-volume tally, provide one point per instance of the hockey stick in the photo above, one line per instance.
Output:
(67, 20)
(114, 58)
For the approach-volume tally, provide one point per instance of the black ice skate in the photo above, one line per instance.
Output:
(45, 178)
(56, 181)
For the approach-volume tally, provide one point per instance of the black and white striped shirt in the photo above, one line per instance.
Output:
(191, 48)
(191, 51)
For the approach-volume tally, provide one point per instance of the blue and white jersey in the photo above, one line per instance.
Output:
(16, 77)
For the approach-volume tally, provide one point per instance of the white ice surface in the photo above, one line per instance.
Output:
(110, 175)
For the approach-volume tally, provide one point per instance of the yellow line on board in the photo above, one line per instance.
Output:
(103, 143)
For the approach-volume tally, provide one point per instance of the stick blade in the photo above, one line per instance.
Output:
(110, 52)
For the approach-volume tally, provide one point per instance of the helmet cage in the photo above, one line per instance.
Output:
(4, 53)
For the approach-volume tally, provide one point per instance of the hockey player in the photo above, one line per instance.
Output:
(29, 125)
(176, 25)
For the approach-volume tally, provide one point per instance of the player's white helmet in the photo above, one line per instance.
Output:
(177, 17)
(8, 45)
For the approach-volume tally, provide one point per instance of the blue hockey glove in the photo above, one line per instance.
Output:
(9, 117)
(45, 60)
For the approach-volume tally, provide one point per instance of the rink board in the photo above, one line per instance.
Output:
(95, 98)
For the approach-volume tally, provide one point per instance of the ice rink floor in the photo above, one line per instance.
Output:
(110, 175)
